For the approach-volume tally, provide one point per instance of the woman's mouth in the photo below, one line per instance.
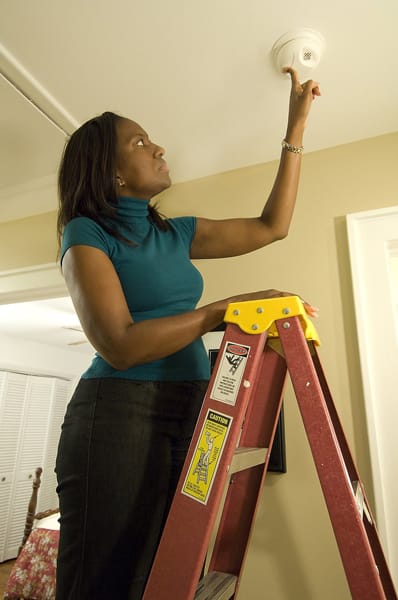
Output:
(164, 167)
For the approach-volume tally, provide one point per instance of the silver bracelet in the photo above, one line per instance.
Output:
(291, 148)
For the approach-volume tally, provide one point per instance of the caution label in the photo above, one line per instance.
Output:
(230, 373)
(206, 457)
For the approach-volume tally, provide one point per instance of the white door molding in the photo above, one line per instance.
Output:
(32, 283)
(373, 243)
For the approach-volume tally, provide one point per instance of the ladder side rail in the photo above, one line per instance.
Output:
(178, 546)
(355, 550)
(385, 574)
(369, 520)
(348, 458)
(236, 525)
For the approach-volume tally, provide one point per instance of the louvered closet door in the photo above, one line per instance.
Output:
(31, 451)
(12, 402)
(60, 395)
(31, 413)
(4, 483)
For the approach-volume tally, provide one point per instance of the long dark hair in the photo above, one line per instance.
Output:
(87, 177)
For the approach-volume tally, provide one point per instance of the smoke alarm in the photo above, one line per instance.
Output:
(301, 49)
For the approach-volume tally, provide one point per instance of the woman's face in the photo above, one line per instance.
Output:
(140, 168)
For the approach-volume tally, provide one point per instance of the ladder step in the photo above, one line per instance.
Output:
(216, 586)
(244, 458)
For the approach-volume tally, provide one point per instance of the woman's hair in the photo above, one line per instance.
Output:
(87, 177)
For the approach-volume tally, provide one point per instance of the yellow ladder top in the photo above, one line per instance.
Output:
(257, 316)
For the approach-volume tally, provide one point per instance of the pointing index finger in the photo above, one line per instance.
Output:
(293, 74)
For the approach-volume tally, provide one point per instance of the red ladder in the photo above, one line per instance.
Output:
(217, 496)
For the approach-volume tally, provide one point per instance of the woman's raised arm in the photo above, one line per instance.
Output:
(233, 237)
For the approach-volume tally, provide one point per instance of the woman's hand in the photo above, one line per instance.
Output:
(312, 311)
(301, 97)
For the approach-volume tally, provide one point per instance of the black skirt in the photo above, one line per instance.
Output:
(121, 451)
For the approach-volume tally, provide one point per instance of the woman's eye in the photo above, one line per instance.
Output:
(140, 142)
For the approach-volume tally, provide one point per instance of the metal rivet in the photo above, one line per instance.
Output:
(236, 311)
(286, 325)
(260, 310)
(246, 383)
(254, 326)
(286, 311)
(307, 384)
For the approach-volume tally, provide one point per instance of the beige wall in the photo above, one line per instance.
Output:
(30, 241)
(293, 554)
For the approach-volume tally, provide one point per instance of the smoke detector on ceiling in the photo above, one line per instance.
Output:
(301, 49)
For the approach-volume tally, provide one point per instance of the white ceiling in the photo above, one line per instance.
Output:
(197, 76)
(52, 322)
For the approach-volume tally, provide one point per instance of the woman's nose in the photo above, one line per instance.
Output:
(159, 151)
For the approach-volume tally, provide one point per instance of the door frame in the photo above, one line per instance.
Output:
(373, 241)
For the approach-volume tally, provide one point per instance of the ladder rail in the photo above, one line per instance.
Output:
(363, 575)
(369, 520)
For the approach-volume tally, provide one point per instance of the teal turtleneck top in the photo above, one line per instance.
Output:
(158, 280)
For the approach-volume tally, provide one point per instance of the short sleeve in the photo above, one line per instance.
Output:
(86, 232)
(186, 227)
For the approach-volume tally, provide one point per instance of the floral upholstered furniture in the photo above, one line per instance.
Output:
(33, 574)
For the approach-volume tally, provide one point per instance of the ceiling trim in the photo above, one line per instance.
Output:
(35, 93)
(38, 282)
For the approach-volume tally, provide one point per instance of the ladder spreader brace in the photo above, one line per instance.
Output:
(212, 514)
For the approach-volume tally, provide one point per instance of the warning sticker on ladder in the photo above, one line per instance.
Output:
(206, 456)
(230, 372)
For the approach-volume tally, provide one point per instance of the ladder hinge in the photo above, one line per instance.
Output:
(257, 316)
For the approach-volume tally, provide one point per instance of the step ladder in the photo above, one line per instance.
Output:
(212, 514)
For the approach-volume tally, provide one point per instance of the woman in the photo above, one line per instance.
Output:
(130, 276)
